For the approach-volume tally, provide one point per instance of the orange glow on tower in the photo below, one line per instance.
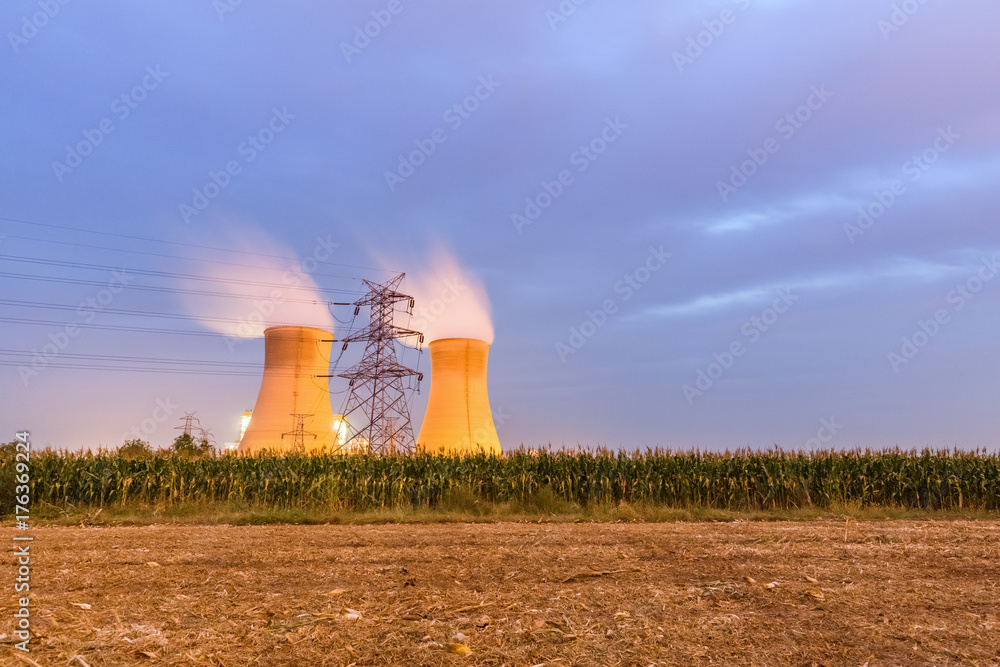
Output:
(458, 418)
(293, 412)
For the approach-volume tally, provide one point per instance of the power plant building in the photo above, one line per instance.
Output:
(293, 412)
(458, 419)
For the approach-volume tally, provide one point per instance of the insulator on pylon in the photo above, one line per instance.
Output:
(357, 309)
(345, 346)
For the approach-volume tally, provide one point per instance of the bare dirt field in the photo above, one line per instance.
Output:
(783, 593)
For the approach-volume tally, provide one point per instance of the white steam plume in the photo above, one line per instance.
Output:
(449, 300)
(268, 291)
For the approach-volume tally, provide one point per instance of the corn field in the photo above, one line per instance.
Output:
(741, 480)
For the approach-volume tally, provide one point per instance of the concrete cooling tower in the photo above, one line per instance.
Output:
(458, 418)
(293, 408)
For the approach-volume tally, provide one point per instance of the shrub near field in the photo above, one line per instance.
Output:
(732, 481)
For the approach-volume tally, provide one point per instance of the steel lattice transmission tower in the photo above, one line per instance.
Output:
(299, 434)
(189, 420)
(378, 399)
(206, 435)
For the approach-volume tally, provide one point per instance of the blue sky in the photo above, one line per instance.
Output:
(713, 224)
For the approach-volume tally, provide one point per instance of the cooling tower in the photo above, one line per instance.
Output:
(293, 408)
(458, 418)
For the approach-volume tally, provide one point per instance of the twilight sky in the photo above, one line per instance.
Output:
(716, 224)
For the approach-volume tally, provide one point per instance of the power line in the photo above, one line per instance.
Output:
(137, 313)
(137, 369)
(108, 327)
(167, 274)
(180, 257)
(158, 360)
(148, 288)
(178, 243)
(102, 362)
(142, 364)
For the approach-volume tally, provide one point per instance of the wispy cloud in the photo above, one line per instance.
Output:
(906, 270)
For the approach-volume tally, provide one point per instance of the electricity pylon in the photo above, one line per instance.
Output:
(378, 399)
